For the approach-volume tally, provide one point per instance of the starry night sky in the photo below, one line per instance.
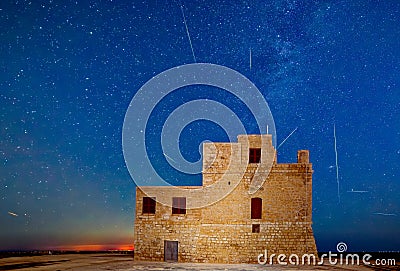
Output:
(69, 69)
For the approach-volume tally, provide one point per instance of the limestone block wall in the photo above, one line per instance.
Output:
(152, 229)
(222, 231)
(285, 226)
(235, 243)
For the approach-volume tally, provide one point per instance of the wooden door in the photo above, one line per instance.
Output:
(171, 251)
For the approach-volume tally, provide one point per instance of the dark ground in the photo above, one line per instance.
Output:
(113, 261)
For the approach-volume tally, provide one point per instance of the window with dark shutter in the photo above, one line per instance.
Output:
(179, 205)
(255, 228)
(149, 205)
(256, 208)
(254, 155)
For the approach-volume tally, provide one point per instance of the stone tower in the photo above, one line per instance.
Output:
(269, 207)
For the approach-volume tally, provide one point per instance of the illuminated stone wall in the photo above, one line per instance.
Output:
(222, 232)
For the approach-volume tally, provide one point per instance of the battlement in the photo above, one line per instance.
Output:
(230, 158)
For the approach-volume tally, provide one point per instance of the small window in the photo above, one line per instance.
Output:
(149, 205)
(255, 228)
(254, 155)
(256, 208)
(179, 205)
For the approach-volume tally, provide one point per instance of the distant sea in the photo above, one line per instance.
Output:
(22, 253)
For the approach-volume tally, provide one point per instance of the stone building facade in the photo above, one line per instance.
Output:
(275, 216)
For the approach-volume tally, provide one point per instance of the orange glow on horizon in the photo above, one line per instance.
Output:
(94, 247)
(125, 247)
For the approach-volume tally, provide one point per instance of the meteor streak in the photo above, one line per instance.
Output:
(13, 214)
(287, 138)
